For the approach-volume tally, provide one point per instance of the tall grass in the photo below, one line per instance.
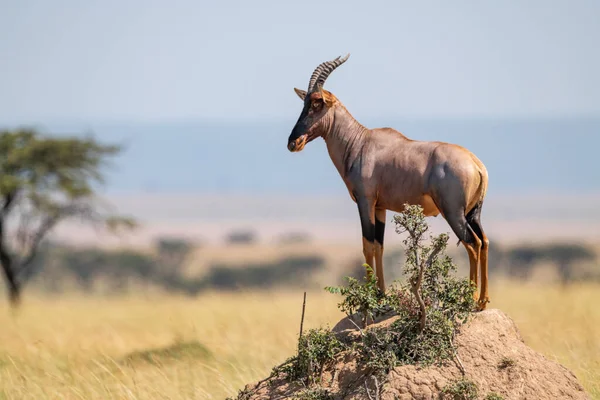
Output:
(168, 347)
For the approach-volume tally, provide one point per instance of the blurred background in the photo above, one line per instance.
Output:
(199, 97)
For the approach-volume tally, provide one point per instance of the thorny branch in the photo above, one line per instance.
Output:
(48, 223)
(356, 325)
(415, 286)
(30, 238)
(460, 364)
(376, 389)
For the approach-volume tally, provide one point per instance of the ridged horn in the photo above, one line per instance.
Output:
(323, 71)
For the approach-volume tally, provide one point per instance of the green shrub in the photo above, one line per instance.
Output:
(403, 343)
(313, 393)
(362, 298)
(429, 305)
(461, 389)
(439, 290)
(315, 349)
(506, 363)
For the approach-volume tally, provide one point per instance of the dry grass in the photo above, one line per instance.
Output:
(209, 347)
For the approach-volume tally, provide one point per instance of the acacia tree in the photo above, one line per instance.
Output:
(44, 181)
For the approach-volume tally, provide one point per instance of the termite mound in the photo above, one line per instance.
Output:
(497, 364)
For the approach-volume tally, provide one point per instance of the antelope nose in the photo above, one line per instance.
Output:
(291, 145)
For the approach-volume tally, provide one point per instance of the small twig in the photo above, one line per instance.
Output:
(302, 319)
(460, 364)
(357, 327)
(368, 392)
(376, 389)
(361, 331)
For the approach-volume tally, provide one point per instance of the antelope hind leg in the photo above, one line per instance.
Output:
(474, 220)
(464, 232)
(473, 252)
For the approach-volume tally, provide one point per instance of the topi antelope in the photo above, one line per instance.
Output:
(383, 170)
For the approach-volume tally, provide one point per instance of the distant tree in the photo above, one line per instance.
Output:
(289, 271)
(116, 267)
(239, 237)
(565, 256)
(521, 260)
(294, 238)
(44, 181)
(172, 254)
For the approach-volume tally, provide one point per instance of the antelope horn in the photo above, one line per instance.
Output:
(321, 73)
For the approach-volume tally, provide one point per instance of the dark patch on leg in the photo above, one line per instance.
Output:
(460, 227)
(379, 231)
(473, 219)
(380, 225)
(368, 231)
(368, 227)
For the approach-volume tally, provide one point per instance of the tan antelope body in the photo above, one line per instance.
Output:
(383, 170)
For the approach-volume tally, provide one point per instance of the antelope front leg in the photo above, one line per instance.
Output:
(366, 210)
(379, 234)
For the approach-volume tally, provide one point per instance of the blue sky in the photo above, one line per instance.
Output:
(146, 60)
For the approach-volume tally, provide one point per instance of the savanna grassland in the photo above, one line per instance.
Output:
(208, 347)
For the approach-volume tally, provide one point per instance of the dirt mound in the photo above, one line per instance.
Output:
(496, 361)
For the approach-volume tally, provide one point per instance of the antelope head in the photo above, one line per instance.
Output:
(318, 107)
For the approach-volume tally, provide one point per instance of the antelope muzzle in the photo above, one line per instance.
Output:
(297, 144)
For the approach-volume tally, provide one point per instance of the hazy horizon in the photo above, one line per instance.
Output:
(522, 155)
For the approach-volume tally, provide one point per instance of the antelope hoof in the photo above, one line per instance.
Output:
(482, 303)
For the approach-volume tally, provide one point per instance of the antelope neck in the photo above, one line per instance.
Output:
(345, 140)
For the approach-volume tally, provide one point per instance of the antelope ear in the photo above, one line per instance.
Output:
(300, 93)
(328, 98)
